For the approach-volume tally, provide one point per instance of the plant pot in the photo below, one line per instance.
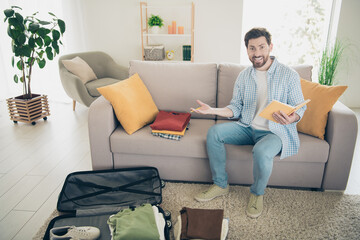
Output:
(28, 110)
(155, 30)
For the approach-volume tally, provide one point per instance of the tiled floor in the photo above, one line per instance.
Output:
(34, 161)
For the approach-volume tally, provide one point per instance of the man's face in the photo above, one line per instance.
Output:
(259, 52)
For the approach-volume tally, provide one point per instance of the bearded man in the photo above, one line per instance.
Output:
(254, 89)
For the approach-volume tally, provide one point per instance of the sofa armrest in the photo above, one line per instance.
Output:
(341, 133)
(102, 122)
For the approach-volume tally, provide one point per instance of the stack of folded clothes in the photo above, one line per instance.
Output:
(143, 222)
(170, 125)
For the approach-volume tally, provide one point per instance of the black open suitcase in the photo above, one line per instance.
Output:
(88, 198)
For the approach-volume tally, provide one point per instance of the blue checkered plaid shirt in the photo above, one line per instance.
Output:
(283, 84)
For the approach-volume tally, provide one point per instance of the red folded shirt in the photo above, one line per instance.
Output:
(173, 121)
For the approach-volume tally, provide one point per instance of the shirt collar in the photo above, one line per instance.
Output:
(273, 65)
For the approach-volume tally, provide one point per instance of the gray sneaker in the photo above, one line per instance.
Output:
(255, 206)
(72, 232)
(212, 192)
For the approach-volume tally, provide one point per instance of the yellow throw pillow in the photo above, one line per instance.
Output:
(132, 103)
(322, 100)
(80, 68)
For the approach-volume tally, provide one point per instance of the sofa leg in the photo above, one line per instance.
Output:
(74, 105)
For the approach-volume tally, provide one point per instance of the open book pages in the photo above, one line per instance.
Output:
(276, 106)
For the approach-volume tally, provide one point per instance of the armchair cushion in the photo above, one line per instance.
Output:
(92, 86)
(80, 68)
(322, 100)
(132, 103)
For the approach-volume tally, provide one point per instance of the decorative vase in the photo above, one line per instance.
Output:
(28, 110)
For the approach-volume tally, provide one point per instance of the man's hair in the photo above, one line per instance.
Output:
(256, 33)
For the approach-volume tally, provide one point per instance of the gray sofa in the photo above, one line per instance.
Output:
(321, 164)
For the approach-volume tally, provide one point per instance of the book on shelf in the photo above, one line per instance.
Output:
(276, 106)
(186, 52)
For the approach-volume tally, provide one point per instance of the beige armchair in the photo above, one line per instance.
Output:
(105, 68)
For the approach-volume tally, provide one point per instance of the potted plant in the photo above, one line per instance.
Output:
(33, 41)
(155, 22)
(328, 63)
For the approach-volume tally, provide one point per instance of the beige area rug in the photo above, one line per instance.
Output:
(288, 214)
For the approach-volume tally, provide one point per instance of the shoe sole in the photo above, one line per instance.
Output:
(208, 199)
(253, 215)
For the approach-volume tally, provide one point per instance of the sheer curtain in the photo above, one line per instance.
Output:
(46, 80)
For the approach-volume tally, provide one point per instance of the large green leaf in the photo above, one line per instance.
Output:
(9, 13)
(33, 27)
(13, 33)
(61, 25)
(40, 54)
(14, 22)
(55, 35)
(24, 51)
(31, 61)
(21, 39)
(47, 40)
(19, 17)
(39, 42)
(43, 22)
(13, 46)
(55, 46)
(16, 78)
(43, 32)
(20, 65)
(32, 43)
(49, 53)
(41, 63)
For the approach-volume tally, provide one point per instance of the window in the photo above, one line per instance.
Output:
(299, 28)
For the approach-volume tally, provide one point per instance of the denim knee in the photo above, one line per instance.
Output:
(213, 134)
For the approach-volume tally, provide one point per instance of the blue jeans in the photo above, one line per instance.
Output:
(266, 146)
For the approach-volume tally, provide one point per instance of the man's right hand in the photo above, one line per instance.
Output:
(203, 109)
(206, 109)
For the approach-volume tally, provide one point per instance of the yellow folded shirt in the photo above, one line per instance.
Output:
(182, 133)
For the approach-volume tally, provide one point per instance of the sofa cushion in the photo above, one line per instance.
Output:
(311, 150)
(192, 144)
(92, 86)
(132, 103)
(228, 73)
(80, 68)
(176, 87)
(322, 100)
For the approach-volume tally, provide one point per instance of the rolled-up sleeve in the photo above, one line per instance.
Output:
(295, 95)
(236, 103)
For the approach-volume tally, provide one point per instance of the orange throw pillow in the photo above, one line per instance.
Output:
(322, 100)
(132, 103)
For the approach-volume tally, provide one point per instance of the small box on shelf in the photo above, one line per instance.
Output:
(154, 52)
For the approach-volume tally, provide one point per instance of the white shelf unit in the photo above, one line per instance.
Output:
(145, 35)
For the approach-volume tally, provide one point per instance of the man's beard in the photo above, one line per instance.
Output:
(259, 64)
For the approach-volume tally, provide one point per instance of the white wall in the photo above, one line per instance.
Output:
(349, 66)
(113, 26)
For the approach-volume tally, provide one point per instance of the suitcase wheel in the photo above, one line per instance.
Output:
(167, 215)
(163, 183)
(169, 224)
